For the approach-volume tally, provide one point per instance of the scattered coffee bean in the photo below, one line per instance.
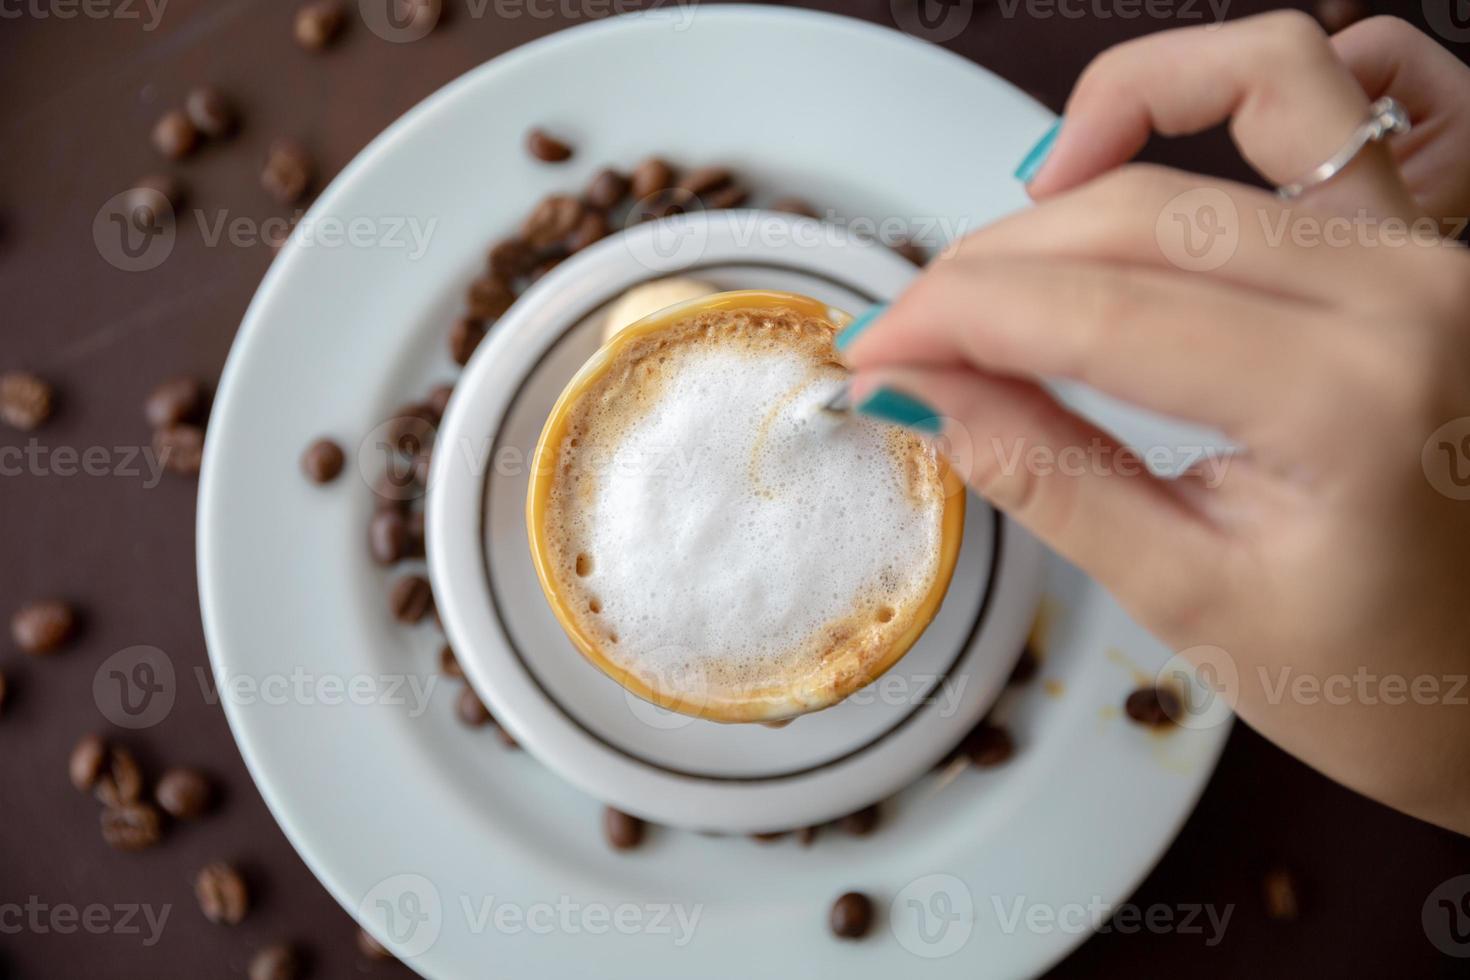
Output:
(652, 176)
(852, 915)
(414, 546)
(488, 298)
(592, 228)
(464, 337)
(121, 780)
(510, 259)
(155, 200)
(703, 180)
(449, 664)
(795, 205)
(43, 627)
(87, 759)
(989, 745)
(768, 837)
(370, 947)
(1155, 707)
(223, 897)
(552, 220)
(318, 24)
(622, 830)
(421, 467)
(542, 269)
(606, 190)
(1280, 891)
(388, 537)
(1336, 15)
(323, 460)
(174, 135)
(275, 963)
(906, 248)
(25, 400)
(180, 448)
(411, 599)
(395, 489)
(860, 824)
(175, 402)
(729, 196)
(547, 148)
(806, 836)
(1027, 664)
(132, 826)
(438, 401)
(288, 171)
(210, 112)
(410, 430)
(471, 710)
(183, 793)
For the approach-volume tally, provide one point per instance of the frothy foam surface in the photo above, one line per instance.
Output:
(718, 533)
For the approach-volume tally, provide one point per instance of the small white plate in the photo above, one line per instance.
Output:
(470, 859)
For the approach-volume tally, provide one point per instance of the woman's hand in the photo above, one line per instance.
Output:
(1337, 544)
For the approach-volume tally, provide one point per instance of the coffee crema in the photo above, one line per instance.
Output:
(717, 542)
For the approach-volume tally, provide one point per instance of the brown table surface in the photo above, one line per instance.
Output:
(80, 98)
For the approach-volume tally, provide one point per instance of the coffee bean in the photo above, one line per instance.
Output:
(410, 430)
(651, 177)
(323, 460)
(155, 200)
(87, 759)
(1336, 15)
(210, 112)
(1280, 891)
(592, 228)
(449, 664)
(395, 489)
(414, 546)
(438, 401)
(510, 259)
(806, 836)
(174, 135)
(606, 190)
(288, 171)
(471, 710)
(488, 298)
(860, 824)
(768, 837)
(703, 180)
(223, 897)
(543, 269)
(319, 23)
(852, 915)
(43, 626)
(175, 402)
(370, 947)
(729, 196)
(180, 448)
(275, 963)
(132, 826)
(795, 205)
(183, 793)
(1027, 664)
(411, 599)
(906, 248)
(1155, 707)
(464, 337)
(988, 745)
(552, 220)
(25, 400)
(121, 780)
(388, 537)
(547, 148)
(622, 830)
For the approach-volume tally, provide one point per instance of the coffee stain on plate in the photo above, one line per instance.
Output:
(1047, 611)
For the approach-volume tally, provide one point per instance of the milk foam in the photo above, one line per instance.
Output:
(710, 519)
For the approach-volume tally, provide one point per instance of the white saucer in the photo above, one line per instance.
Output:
(415, 823)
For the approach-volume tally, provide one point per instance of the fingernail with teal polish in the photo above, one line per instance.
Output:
(1031, 166)
(865, 320)
(905, 410)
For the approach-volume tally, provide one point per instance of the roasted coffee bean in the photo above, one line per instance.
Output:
(278, 962)
(592, 228)
(488, 298)
(318, 23)
(174, 135)
(1280, 892)
(438, 401)
(543, 269)
(1155, 707)
(370, 947)
(1336, 15)
(183, 793)
(410, 430)
(25, 400)
(210, 112)
(180, 448)
(223, 897)
(622, 830)
(906, 248)
(154, 200)
(388, 537)
(121, 779)
(795, 205)
(422, 463)
(861, 823)
(288, 171)
(414, 545)
(449, 664)
(852, 915)
(471, 710)
(552, 220)
(510, 259)
(464, 337)
(988, 745)
(652, 176)
(606, 190)
(87, 759)
(806, 836)
(547, 148)
(1027, 664)
(769, 836)
(323, 461)
(703, 180)
(396, 489)
(175, 402)
(132, 826)
(411, 599)
(44, 626)
(729, 196)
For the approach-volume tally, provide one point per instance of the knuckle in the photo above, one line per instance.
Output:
(1291, 34)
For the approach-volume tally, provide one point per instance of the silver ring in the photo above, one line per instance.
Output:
(1386, 118)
